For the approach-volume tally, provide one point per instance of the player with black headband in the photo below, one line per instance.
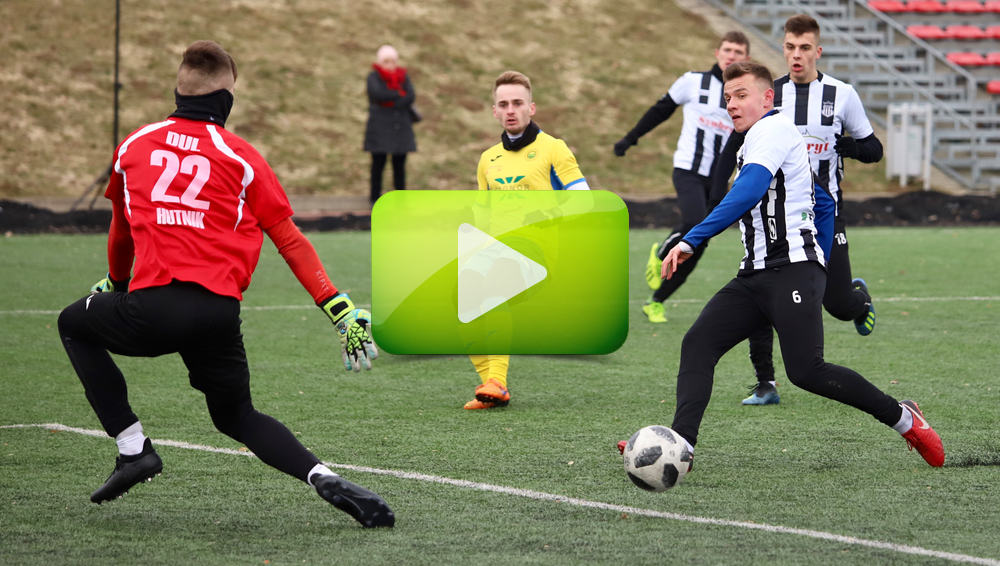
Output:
(191, 202)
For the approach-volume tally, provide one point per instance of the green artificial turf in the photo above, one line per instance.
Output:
(808, 463)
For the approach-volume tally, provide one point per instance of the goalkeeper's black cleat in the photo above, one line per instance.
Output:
(364, 505)
(129, 470)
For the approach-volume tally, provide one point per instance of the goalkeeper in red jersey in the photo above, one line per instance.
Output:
(191, 202)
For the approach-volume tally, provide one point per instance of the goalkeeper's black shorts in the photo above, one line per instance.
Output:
(203, 327)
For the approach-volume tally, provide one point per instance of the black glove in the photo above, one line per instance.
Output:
(846, 146)
(622, 145)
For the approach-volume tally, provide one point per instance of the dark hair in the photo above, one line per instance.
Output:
(737, 70)
(737, 37)
(801, 24)
(207, 58)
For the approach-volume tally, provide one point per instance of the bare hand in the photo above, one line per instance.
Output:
(674, 258)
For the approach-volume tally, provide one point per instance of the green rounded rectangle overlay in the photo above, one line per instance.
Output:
(500, 272)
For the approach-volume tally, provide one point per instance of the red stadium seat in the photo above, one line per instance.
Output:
(992, 6)
(965, 6)
(993, 87)
(965, 32)
(888, 6)
(926, 32)
(967, 59)
(993, 58)
(993, 32)
(926, 6)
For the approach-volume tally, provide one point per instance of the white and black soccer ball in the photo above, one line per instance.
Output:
(656, 458)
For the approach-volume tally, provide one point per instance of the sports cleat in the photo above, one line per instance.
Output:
(654, 311)
(762, 393)
(129, 471)
(922, 437)
(493, 392)
(364, 505)
(653, 266)
(866, 322)
(477, 404)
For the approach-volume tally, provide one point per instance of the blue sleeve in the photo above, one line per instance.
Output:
(825, 210)
(750, 186)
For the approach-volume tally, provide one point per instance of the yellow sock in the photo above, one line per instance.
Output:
(482, 365)
(498, 369)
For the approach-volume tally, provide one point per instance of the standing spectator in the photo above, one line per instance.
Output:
(191, 202)
(390, 119)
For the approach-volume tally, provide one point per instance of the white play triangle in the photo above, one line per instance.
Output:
(479, 249)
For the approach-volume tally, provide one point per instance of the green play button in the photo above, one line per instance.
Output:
(500, 272)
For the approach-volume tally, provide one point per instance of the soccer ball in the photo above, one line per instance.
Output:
(656, 458)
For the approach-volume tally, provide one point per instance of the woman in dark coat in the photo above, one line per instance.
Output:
(390, 120)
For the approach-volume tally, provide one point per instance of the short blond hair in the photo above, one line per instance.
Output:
(512, 78)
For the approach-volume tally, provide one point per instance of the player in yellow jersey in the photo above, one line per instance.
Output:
(526, 159)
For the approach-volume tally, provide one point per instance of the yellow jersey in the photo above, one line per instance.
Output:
(544, 164)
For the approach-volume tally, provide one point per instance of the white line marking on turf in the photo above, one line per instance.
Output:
(678, 301)
(542, 496)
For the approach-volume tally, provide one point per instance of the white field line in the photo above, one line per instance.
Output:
(542, 496)
(679, 301)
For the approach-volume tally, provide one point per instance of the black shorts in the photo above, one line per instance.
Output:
(203, 327)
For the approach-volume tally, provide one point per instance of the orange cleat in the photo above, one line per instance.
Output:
(922, 436)
(493, 392)
(477, 404)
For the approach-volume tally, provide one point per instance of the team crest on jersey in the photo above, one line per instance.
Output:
(827, 110)
(531, 155)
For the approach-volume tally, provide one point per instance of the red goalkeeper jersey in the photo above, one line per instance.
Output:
(196, 198)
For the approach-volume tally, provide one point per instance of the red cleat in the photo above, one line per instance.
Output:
(922, 436)
(621, 446)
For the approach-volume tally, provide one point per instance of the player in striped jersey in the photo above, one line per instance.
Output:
(787, 224)
(824, 110)
(704, 132)
(526, 159)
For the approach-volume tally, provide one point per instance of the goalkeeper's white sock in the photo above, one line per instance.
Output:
(905, 421)
(130, 440)
(319, 469)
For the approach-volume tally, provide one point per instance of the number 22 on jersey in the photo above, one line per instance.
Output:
(196, 165)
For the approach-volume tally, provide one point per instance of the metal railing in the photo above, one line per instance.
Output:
(880, 83)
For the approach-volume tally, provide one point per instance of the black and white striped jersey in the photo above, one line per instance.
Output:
(781, 228)
(820, 109)
(706, 126)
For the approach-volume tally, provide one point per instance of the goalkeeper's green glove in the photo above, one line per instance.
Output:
(108, 285)
(354, 330)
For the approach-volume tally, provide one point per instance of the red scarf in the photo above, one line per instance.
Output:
(393, 79)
